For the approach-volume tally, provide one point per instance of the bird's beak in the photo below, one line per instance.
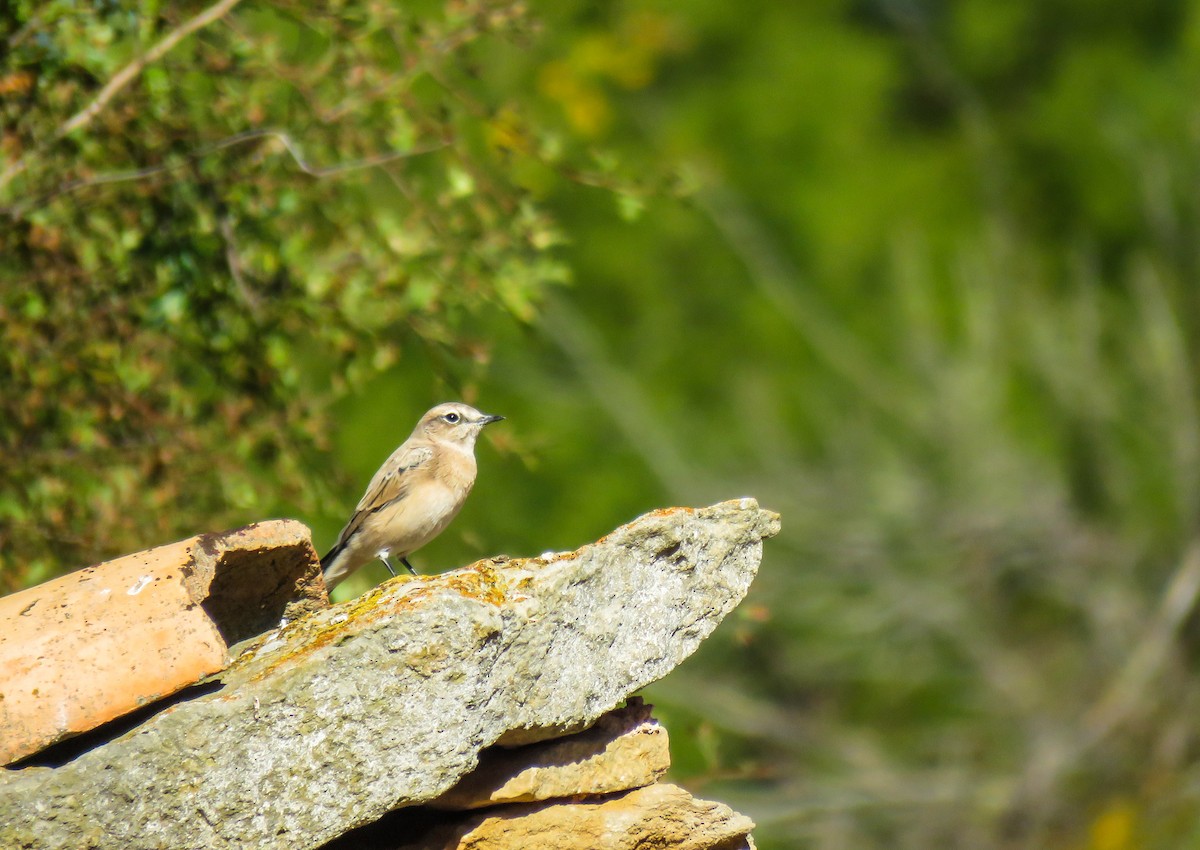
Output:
(489, 418)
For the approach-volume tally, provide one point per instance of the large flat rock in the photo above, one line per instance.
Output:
(626, 748)
(387, 700)
(656, 817)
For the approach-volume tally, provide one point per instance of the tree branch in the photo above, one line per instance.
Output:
(125, 76)
(285, 139)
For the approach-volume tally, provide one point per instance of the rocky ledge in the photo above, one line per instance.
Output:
(489, 706)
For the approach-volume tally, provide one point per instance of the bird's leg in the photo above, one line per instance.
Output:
(383, 557)
(404, 561)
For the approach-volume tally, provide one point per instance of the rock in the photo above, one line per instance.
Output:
(387, 700)
(659, 816)
(97, 643)
(626, 748)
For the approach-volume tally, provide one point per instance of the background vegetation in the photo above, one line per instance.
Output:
(920, 276)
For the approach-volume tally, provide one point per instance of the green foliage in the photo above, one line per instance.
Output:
(263, 216)
(918, 276)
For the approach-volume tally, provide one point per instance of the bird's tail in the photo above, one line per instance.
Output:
(327, 565)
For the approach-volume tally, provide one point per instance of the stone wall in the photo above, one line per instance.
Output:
(489, 706)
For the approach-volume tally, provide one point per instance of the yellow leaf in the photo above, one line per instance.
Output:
(1113, 828)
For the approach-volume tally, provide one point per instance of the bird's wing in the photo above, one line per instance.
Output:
(390, 483)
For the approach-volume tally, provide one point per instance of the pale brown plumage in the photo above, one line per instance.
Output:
(414, 495)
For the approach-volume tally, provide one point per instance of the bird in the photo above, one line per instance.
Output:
(414, 495)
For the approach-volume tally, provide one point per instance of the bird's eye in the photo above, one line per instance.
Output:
(451, 418)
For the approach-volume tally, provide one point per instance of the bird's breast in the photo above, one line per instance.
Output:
(429, 506)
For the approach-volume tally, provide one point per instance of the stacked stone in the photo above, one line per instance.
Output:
(595, 790)
(491, 706)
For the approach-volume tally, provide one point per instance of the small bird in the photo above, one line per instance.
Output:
(414, 495)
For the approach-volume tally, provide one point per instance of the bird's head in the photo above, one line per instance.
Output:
(453, 423)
